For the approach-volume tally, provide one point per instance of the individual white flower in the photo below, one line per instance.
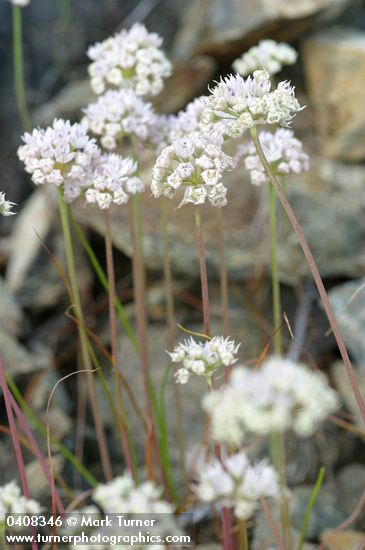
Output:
(13, 502)
(195, 164)
(6, 206)
(269, 55)
(279, 396)
(283, 151)
(236, 484)
(129, 59)
(62, 155)
(242, 103)
(118, 114)
(203, 358)
(113, 181)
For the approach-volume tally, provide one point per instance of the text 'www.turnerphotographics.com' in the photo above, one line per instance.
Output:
(93, 528)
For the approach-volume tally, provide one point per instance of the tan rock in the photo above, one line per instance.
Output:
(347, 540)
(334, 63)
(225, 29)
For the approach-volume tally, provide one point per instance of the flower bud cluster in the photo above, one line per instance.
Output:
(113, 181)
(129, 59)
(279, 396)
(62, 155)
(269, 55)
(242, 103)
(203, 358)
(283, 151)
(118, 114)
(6, 206)
(237, 484)
(196, 164)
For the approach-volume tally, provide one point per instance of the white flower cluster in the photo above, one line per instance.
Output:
(269, 55)
(6, 206)
(129, 59)
(113, 181)
(195, 163)
(62, 155)
(118, 114)
(236, 484)
(123, 496)
(279, 396)
(243, 103)
(203, 358)
(283, 151)
(13, 502)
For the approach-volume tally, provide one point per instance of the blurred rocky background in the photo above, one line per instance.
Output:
(202, 37)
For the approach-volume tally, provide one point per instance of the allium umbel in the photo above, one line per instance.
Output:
(6, 206)
(241, 103)
(119, 114)
(129, 59)
(113, 181)
(203, 358)
(236, 484)
(62, 155)
(283, 151)
(195, 164)
(269, 55)
(279, 396)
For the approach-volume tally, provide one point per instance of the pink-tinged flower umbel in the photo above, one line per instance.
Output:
(242, 103)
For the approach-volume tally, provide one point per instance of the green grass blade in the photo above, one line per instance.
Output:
(311, 503)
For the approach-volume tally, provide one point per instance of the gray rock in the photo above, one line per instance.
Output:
(334, 62)
(11, 317)
(31, 274)
(348, 302)
(18, 360)
(351, 483)
(326, 513)
(263, 537)
(331, 195)
(343, 386)
(227, 28)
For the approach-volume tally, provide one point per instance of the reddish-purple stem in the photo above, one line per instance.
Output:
(15, 438)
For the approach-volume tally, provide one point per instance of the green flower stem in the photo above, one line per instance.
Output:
(18, 68)
(311, 503)
(135, 219)
(278, 458)
(203, 269)
(275, 271)
(223, 274)
(171, 323)
(226, 516)
(108, 474)
(115, 345)
(243, 535)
